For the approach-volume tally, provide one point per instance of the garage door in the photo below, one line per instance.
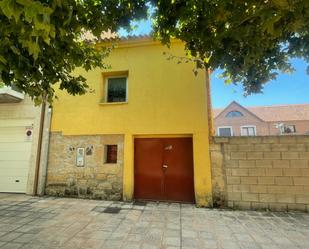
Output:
(15, 150)
(163, 169)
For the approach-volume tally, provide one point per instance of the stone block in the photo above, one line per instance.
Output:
(270, 140)
(273, 172)
(239, 172)
(246, 147)
(256, 172)
(285, 198)
(262, 147)
(304, 155)
(249, 197)
(232, 163)
(244, 205)
(296, 207)
(272, 155)
(233, 180)
(266, 180)
(281, 163)
(278, 207)
(234, 196)
(279, 147)
(241, 188)
(290, 155)
(276, 189)
(292, 172)
(248, 180)
(302, 198)
(263, 163)
(297, 147)
(268, 198)
(299, 163)
(258, 189)
(238, 155)
(304, 181)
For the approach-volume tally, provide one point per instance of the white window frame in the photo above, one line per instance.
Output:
(106, 88)
(230, 127)
(248, 126)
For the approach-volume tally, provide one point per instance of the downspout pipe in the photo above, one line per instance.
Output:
(39, 150)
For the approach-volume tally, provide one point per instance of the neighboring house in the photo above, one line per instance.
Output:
(21, 170)
(237, 120)
(141, 133)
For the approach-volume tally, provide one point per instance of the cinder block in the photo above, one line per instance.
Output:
(297, 147)
(241, 188)
(246, 147)
(248, 180)
(301, 181)
(273, 172)
(231, 163)
(270, 140)
(232, 196)
(290, 155)
(284, 180)
(281, 163)
(238, 155)
(299, 163)
(302, 198)
(292, 172)
(284, 198)
(267, 198)
(272, 155)
(304, 155)
(296, 207)
(255, 155)
(266, 180)
(262, 147)
(246, 163)
(240, 172)
(233, 180)
(257, 172)
(279, 147)
(258, 189)
(249, 197)
(263, 163)
(278, 206)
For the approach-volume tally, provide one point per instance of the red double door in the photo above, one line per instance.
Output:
(163, 169)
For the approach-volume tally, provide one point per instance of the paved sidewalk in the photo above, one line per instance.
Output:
(27, 222)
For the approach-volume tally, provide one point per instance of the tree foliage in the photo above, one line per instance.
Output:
(251, 40)
(40, 40)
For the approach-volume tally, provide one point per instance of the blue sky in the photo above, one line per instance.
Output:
(286, 89)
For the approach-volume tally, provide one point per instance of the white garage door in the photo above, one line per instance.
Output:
(15, 150)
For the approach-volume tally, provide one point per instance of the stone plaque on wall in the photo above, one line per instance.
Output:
(80, 157)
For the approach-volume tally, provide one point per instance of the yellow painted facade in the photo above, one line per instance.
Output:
(164, 99)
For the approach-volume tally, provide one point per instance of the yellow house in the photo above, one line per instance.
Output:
(141, 132)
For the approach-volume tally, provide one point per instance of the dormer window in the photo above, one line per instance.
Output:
(234, 114)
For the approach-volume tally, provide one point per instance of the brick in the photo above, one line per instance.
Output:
(240, 172)
(284, 180)
(248, 180)
(231, 163)
(249, 197)
(279, 147)
(273, 172)
(267, 198)
(246, 163)
(292, 172)
(301, 181)
(302, 199)
(269, 140)
(241, 188)
(281, 163)
(262, 147)
(296, 207)
(263, 163)
(297, 147)
(238, 155)
(304, 155)
(266, 180)
(233, 180)
(299, 163)
(278, 207)
(232, 196)
(284, 198)
(255, 155)
(258, 189)
(290, 155)
(272, 155)
(246, 147)
(256, 172)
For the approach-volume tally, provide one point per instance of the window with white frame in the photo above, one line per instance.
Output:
(225, 131)
(289, 129)
(116, 89)
(248, 130)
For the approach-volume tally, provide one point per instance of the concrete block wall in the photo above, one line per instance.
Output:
(261, 172)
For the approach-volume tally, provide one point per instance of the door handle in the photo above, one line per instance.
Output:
(165, 166)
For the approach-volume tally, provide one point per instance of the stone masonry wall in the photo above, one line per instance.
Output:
(261, 172)
(95, 179)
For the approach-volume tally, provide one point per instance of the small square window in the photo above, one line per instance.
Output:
(116, 89)
(110, 153)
